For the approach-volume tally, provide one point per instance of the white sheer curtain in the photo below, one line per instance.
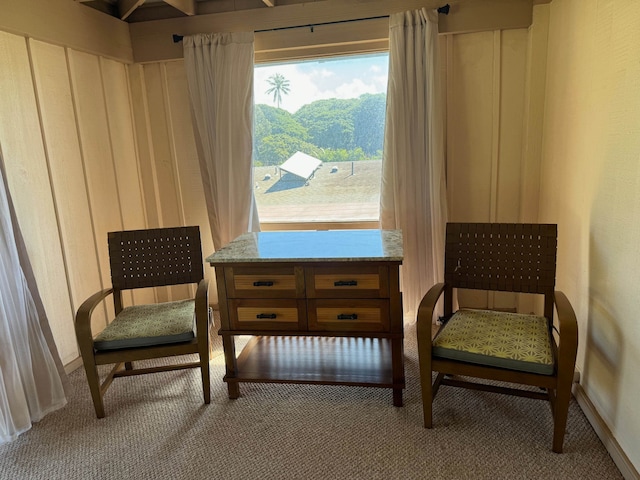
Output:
(31, 375)
(413, 196)
(220, 75)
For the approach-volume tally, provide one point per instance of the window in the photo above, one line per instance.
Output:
(319, 127)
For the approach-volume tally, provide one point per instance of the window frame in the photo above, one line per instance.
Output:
(328, 40)
(356, 37)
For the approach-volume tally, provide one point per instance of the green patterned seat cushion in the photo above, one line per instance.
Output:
(507, 340)
(145, 325)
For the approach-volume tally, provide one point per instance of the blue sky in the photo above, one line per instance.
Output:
(342, 77)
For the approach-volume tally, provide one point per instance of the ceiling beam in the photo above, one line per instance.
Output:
(188, 7)
(104, 6)
(126, 7)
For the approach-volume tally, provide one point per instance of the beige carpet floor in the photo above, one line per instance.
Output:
(157, 428)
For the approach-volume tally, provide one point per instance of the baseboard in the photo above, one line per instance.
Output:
(73, 365)
(602, 430)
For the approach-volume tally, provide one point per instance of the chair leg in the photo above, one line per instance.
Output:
(94, 386)
(427, 399)
(424, 362)
(560, 414)
(206, 378)
(204, 352)
(426, 386)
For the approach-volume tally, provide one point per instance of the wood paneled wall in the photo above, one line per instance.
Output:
(170, 172)
(70, 155)
(486, 84)
(68, 23)
(486, 75)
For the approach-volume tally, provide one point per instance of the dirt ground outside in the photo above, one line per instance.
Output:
(337, 192)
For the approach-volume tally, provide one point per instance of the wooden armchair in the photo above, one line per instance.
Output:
(489, 344)
(148, 258)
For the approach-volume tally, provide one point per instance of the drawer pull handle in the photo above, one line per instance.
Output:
(266, 315)
(345, 283)
(348, 316)
(263, 284)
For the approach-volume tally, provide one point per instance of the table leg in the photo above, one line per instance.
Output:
(234, 390)
(397, 397)
(229, 346)
(397, 360)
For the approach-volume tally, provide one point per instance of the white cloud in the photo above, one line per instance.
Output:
(308, 82)
(324, 73)
(354, 89)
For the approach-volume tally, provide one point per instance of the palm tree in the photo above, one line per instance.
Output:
(279, 86)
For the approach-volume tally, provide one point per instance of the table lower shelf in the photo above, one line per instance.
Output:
(317, 360)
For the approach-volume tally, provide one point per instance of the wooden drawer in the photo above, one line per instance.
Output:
(264, 282)
(263, 314)
(364, 315)
(351, 281)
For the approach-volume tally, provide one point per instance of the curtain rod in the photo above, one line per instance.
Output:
(444, 10)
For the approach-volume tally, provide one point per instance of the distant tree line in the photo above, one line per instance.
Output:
(332, 130)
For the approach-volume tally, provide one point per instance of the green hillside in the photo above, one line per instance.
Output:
(333, 130)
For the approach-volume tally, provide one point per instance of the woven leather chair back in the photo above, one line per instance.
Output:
(156, 257)
(501, 256)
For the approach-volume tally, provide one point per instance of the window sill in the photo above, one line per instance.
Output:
(271, 226)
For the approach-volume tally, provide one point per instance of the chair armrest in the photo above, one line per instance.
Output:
(425, 316)
(567, 333)
(83, 316)
(202, 305)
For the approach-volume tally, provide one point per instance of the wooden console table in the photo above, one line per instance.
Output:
(323, 307)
